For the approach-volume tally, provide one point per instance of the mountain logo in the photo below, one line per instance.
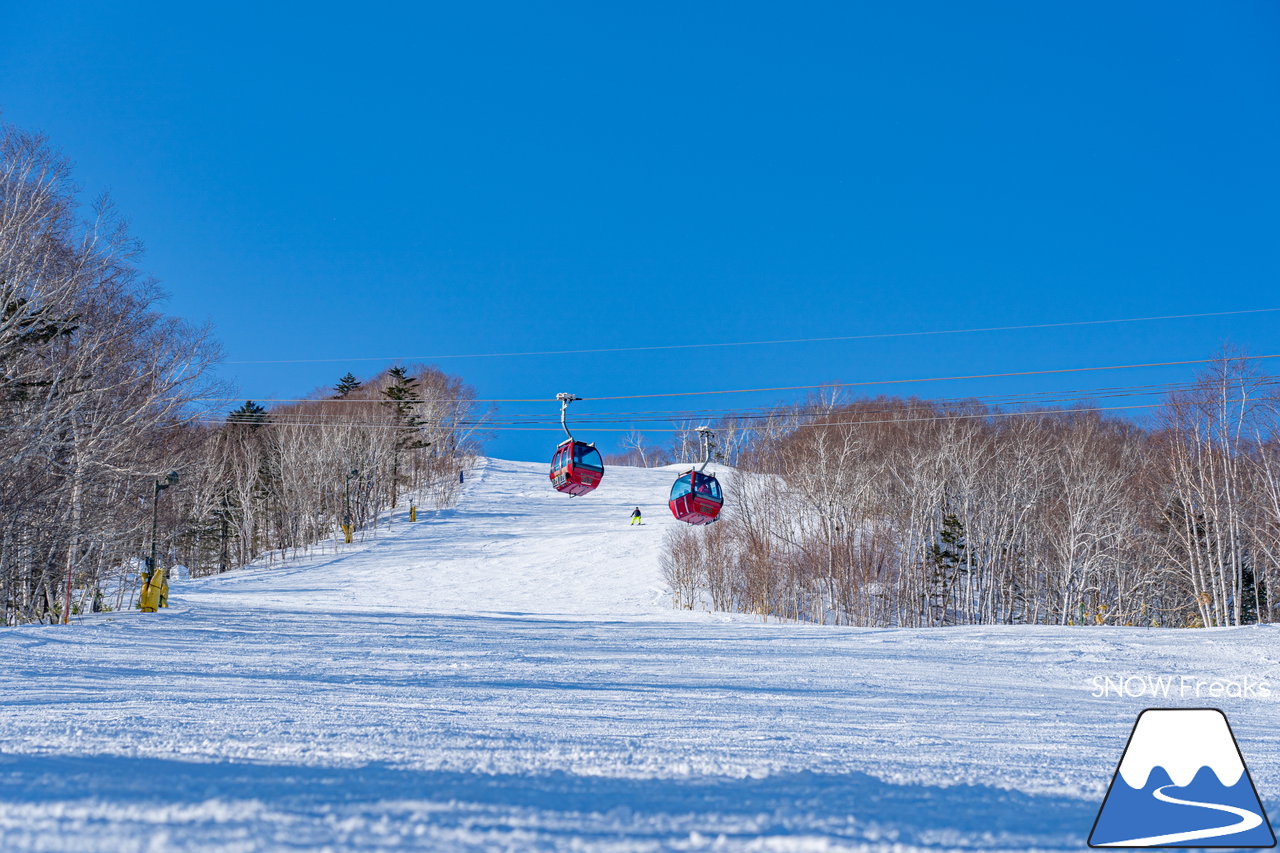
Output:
(1181, 782)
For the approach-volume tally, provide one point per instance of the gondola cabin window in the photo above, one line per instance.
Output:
(696, 498)
(586, 456)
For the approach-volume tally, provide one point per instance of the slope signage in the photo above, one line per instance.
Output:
(1182, 782)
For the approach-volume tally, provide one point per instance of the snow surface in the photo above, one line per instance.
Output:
(509, 675)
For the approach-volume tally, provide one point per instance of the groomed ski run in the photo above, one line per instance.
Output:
(509, 675)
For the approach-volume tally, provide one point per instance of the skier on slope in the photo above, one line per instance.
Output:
(635, 516)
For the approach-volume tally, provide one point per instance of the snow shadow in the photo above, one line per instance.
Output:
(287, 805)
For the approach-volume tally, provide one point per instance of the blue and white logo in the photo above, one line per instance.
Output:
(1182, 783)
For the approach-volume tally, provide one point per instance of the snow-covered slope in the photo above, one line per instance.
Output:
(508, 675)
(513, 545)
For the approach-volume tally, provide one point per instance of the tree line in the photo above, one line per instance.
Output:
(277, 482)
(102, 394)
(910, 512)
(874, 512)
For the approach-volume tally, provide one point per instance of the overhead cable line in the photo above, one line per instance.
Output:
(1027, 398)
(1001, 398)
(834, 339)
(342, 421)
(633, 418)
(820, 386)
(799, 425)
(928, 379)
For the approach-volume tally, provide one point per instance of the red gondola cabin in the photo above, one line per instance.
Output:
(576, 467)
(696, 498)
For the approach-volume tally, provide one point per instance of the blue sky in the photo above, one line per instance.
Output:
(366, 180)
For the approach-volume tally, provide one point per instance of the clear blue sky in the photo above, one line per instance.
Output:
(365, 180)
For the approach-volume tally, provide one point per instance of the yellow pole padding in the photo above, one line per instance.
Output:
(413, 513)
(154, 586)
(346, 532)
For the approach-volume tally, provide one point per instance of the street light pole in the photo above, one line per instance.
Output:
(170, 480)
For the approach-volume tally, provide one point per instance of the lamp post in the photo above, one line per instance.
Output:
(346, 504)
(170, 480)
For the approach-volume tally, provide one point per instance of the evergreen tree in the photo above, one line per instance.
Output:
(948, 560)
(257, 464)
(346, 385)
(1253, 596)
(250, 413)
(402, 396)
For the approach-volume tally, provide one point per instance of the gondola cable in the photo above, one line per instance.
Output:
(726, 344)
(814, 387)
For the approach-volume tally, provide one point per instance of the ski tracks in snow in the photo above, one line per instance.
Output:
(508, 675)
